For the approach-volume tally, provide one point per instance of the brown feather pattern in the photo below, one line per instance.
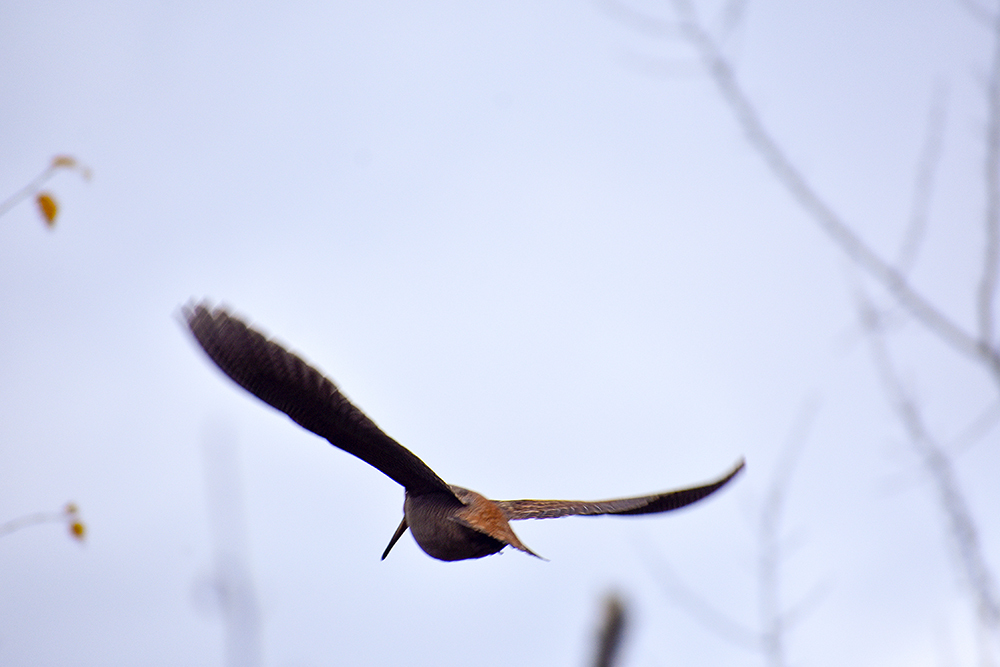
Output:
(286, 382)
(659, 502)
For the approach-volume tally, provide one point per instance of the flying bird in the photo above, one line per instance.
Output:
(448, 522)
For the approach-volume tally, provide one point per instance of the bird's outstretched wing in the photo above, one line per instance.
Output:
(286, 382)
(658, 502)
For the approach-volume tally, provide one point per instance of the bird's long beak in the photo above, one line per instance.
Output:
(395, 537)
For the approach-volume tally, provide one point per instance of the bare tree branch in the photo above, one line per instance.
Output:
(978, 12)
(69, 515)
(923, 186)
(640, 21)
(773, 619)
(988, 282)
(699, 608)
(975, 430)
(732, 15)
(33, 187)
(962, 527)
(976, 341)
(856, 249)
(232, 581)
(936, 462)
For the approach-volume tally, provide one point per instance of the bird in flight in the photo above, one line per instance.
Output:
(448, 522)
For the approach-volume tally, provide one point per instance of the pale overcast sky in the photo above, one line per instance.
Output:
(530, 240)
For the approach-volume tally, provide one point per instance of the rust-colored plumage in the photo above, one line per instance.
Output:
(447, 521)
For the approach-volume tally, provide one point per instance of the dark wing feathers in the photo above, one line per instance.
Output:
(286, 382)
(660, 502)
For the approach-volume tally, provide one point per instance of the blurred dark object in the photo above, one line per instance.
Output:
(611, 632)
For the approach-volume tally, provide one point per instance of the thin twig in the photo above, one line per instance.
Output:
(639, 21)
(27, 191)
(699, 608)
(775, 621)
(35, 185)
(232, 581)
(771, 515)
(923, 186)
(69, 515)
(732, 15)
(35, 519)
(975, 430)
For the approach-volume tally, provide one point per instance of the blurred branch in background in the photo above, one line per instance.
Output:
(70, 515)
(972, 562)
(991, 187)
(923, 184)
(977, 341)
(46, 201)
(230, 587)
(612, 631)
(857, 250)
(700, 609)
(775, 620)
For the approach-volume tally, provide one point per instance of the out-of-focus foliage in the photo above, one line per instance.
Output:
(47, 205)
(70, 515)
(77, 529)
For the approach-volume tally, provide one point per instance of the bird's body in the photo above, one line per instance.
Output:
(476, 527)
(447, 521)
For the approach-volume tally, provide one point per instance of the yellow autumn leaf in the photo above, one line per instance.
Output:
(47, 205)
(70, 162)
(78, 530)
